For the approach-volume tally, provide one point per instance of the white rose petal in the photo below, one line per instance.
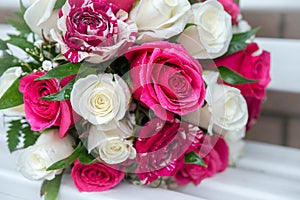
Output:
(101, 99)
(211, 33)
(41, 18)
(111, 145)
(226, 108)
(6, 80)
(160, 19)
(49, 148)
(235, 144)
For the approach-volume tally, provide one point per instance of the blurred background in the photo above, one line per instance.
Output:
(280, 21)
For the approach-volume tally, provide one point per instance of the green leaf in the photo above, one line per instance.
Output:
(243, 37)
(20, 42)
(50, 188)
(232, 77)
(14, 134)
(194, 158)
(8, 61)
(86, 158)
(18, 22)
(59, 4)
(30, 136)
(239, 41)
(63, 94)
(3, 45)
(12, 97)
(67, 161)
(61, 72)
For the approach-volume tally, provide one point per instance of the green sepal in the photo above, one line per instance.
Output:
(194, 158)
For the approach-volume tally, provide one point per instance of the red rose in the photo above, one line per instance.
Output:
(160, 147)
(214, 152)
(42, 114)
(95, 177)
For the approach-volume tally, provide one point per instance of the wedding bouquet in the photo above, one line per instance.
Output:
(153, 92)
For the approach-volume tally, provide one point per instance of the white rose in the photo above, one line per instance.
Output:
(160, 19)
(211, 33)
(101, 99)
(48, 149)
(41, 18)
(235, 144)
(112, 146)
(6, 80)
(226, 108)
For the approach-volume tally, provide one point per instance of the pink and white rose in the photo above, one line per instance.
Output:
(124, 5)
(94, 31)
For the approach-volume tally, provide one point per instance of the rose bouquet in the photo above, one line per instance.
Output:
(151, 92)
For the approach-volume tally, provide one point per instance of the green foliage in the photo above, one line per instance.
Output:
(20, 42)
(18, 129)
(232, 77)
(61, 72)
(239, 40)
(50, 188)
(18, 22)
(80, 152)
(59, 4)
(194, 158)
(63, 94)
(14, 134)
(12, 97)
(3, 45)
(8, 61)
(29, 136)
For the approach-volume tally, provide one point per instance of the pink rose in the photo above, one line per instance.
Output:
(254, 106)
(166, 78)
(93, 30)
(95, 177)
(214, 152)
(125, 5)
(256, 67)
(232, 8)
(42, 114)
(160, 148)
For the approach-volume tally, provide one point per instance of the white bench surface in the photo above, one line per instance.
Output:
(266, 172)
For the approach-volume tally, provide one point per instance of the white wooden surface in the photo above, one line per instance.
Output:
(266, 172)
